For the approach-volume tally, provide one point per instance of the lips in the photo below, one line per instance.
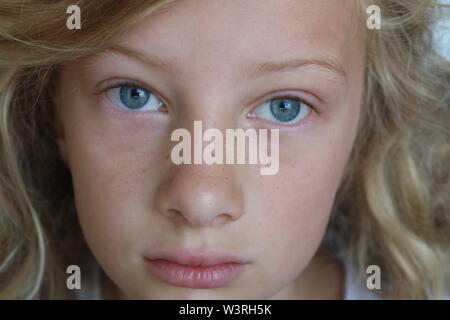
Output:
(195, 269)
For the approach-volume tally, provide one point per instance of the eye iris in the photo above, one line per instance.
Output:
(134, 97)
(285, 109)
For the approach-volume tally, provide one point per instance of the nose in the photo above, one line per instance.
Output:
(200, 195)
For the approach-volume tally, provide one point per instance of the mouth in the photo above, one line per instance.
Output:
(195, 269)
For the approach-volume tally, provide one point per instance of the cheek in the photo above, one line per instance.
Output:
(293, 206)
(115, 170)
(303, 190)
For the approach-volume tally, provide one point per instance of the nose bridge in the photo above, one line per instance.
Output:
(206, 107)
(200, 195)
(209, 89)
(212, 104)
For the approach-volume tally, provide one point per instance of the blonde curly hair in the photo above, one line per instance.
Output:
(391, 209)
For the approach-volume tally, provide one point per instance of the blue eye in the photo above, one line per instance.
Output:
(131, 97)
(284, 110)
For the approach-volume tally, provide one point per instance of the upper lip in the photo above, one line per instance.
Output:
(202, 258)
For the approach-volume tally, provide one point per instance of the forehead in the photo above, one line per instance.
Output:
(198, 31)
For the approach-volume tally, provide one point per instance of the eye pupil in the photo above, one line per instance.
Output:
(284, 106)
(285, 109)
(135, 93)
(134, 97)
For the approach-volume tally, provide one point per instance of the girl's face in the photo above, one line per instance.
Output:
(217, 62)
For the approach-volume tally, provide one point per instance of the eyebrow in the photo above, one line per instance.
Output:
(260, 69)
(147, 58)
(254, 70)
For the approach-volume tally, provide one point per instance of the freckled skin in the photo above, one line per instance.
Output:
(131, 198)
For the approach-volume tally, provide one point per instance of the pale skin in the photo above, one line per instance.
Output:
(131, 198)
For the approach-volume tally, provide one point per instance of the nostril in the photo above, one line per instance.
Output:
(176, 216)
(220, 220)
(179, 218)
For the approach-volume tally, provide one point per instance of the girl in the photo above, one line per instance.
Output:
(359, 207)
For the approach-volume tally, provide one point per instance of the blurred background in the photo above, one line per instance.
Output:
(443, 33)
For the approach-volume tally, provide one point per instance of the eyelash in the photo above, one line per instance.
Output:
(120, 83)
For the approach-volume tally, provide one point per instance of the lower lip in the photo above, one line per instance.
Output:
(215, 276)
